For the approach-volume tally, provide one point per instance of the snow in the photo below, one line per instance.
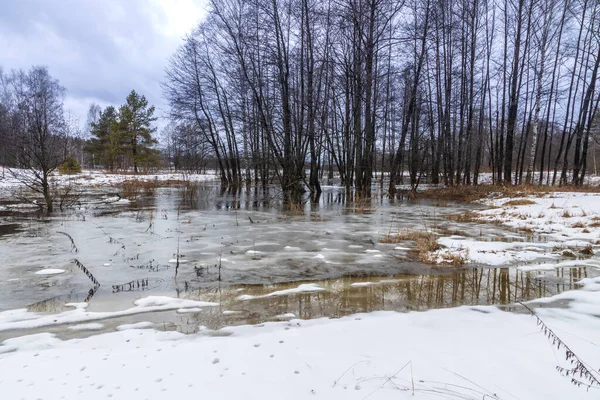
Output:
(92, 326)
(563, 220)
(50, 271)
(303, 288)
(465, 352)
(24, 319)
(286, 316)
(361, 284)
(90, 178)
(181, 261)
(136, 325)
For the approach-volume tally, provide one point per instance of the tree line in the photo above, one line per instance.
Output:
(436, 90)
(38, 136)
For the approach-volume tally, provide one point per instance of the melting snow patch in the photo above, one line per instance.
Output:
(174, 261)
(137, 325)
(189, 310)
(304, 288)
(361, 284)
(92, 326)
(50, 271)
(292, 248)
(23, 319)
(286, 316)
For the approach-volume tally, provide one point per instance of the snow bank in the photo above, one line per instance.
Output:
(24, 319)
(466, 353)
(569, 223)
(90, 178)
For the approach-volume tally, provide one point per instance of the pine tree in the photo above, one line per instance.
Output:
(105, 144)
(135, 123)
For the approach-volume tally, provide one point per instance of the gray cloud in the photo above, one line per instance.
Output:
(98, 49)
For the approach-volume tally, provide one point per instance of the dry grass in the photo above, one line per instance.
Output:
(578, 225)
(566, 214)
(587, 250)
(472, 193)
(131, 188)
(467, 216)
(406, 235)
(519, 202)
(455, 259)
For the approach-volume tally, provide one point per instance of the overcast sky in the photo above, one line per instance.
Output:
(98, 49)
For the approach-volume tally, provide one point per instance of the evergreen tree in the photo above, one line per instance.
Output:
(105, 144)
(135, 123)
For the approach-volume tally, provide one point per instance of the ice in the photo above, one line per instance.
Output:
(286, 316)
(304, 288)
(361, 284)
(50, 271)
(92, 326)
(136, 325)
(23, 319)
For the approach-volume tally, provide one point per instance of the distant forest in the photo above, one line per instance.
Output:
(298, 92)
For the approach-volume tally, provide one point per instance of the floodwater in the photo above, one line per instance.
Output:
(239, 249)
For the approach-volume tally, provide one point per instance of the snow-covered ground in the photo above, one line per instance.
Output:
(94, 178)
(459, 353)
(561, 225)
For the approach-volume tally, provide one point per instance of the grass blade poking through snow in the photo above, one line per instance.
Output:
(578, 367)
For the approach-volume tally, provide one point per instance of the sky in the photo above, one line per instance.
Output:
(99, 50)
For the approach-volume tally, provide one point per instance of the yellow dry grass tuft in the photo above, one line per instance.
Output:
(519, 202)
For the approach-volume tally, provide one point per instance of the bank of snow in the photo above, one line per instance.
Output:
(24, 319)
(569, 224)
(466, 353)
(88, 178)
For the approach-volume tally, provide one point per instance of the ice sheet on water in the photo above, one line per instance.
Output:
(303, 288)
(50, 271)
(23, 319)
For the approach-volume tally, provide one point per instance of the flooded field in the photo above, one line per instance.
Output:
(259, 261)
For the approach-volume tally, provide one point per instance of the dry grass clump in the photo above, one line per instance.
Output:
(427, 244)
(453, 258)
(566, 214)
(406, 235)
(131, 188)
(578, 225)
(456, 259)
(595, 222)
(467, 216)
(587, 250)
(519, 202)
(568, 253)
